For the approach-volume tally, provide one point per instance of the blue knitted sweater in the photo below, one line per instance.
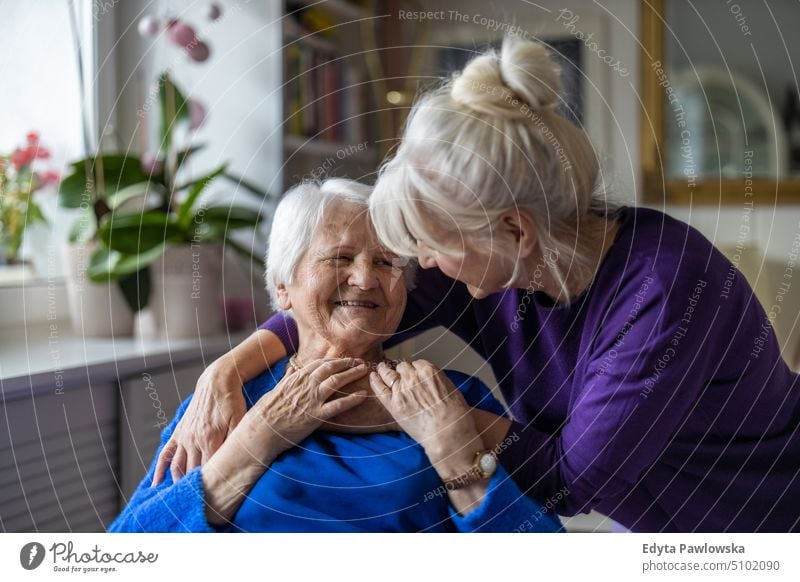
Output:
(334, 482)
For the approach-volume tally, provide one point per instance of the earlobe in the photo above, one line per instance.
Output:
(283, 297)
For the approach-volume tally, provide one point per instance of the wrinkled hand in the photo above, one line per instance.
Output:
(281, 419)
(370, 416)
(215, 410)
(304, 399)
(426, 405)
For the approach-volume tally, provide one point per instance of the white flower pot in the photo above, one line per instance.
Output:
(186, 291)
(95, 309)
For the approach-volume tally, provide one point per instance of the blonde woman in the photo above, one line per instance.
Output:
(642, 373)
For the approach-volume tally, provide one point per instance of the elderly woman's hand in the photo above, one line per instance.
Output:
(283, 417)
(427, 405)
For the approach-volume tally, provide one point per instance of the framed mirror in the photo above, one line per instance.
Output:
(721, 114)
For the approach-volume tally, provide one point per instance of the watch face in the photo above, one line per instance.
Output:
(487, 463)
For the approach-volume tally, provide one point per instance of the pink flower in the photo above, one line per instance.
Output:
(46, 178)
(182, 34)
(197, 114)
(22, 158)
(50, 177)
(199, 52)
(151, 165)
(40, 152)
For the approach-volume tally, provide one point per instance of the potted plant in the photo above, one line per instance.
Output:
(143, 231)
(22, 175)
(147, 232)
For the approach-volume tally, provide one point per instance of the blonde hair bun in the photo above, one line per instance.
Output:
(521, 79)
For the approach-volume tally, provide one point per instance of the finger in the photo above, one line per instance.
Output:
(326, 368)
(178, 466)
(334, 407)
(164, 459)
(423, 366)
(332, 384)
(194, 458)
(404, 368)
(380, 388)
(389, 376)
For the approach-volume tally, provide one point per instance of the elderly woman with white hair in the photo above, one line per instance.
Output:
(316, 451)
(643, 374)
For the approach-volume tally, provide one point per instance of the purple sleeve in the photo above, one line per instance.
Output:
(285, 327)
(436, 301)
(629, 405)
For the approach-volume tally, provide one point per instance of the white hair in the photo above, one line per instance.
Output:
(297, 217)
(487, 141)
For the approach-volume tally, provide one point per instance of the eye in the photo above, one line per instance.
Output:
(385, 262)
(339, 259)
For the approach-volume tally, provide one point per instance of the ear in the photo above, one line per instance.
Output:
(283, 297)
(518, 225)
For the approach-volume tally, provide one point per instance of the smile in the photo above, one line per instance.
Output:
(365, 304)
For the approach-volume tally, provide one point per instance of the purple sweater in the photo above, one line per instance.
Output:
(658, 397)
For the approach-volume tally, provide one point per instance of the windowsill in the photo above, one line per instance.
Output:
(49, 356)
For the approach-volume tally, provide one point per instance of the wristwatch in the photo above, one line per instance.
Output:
(483, 467)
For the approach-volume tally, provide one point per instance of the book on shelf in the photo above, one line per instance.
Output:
(325, 93)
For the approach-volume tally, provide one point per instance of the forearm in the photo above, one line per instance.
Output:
(233, 470)
(452, 461)
(225, 490)
(250, 358)
(492, 428)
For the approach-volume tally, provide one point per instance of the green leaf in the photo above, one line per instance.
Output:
(109, 265)
(261, 193)
(195, 189)
(72, 191)
(33, 214)
(174, 109)
(225, 218)
(84, 228)
(244, 251)
(137, 233)
(134, 191)
(118, 172)
(185, 154)
(136, 289)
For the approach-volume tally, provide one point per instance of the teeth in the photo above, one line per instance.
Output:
(356, 303)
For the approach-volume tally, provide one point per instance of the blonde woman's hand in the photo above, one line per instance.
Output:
(215, 410)
(281, 419)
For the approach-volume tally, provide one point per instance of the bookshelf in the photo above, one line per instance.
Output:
(329, 126)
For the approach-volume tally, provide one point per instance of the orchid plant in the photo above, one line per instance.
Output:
(23, 173)
(134, 207)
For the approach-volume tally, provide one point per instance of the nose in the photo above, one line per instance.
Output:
(363, 275)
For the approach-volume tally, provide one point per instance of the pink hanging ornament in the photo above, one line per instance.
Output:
(149, 26)
(213, 12)
(199, 52)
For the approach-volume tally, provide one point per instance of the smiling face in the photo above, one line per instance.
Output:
(348, 294)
